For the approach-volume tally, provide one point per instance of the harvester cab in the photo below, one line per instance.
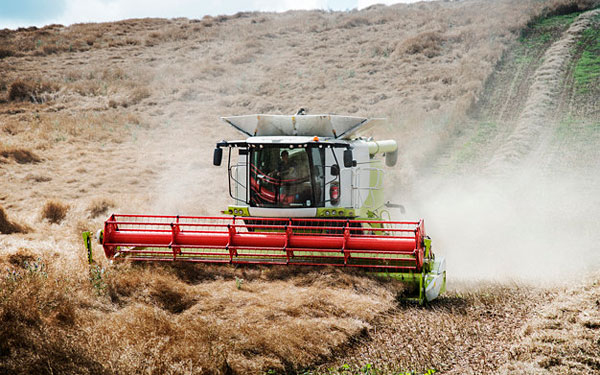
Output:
(305, 191)
(298, 166)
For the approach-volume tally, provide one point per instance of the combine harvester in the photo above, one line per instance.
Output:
(305, 192)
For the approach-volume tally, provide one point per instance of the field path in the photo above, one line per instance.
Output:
(536, 121)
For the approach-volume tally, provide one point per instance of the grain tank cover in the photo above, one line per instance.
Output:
(341, 127)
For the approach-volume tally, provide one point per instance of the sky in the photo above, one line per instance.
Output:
(23, 13)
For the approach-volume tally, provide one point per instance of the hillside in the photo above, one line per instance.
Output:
(494, 105)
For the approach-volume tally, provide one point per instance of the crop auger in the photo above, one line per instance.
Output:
(305, 192)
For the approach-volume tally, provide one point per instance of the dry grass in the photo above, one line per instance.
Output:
(273, 321)
(33, 91)
(4, 52)
(248, 327)
(8, 226)
(48, 129)
(54, 211)
(19, 155)
(468, 331)
(57, 39)
(100, 206)
(136, 96)
(562, 337)
(38, 320)
(201, 319)
(21, 258)
(428, 43)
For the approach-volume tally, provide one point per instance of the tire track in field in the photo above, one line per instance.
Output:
(536, 120)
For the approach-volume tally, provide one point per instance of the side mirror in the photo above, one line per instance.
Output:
(391, 158)
(217, 156)
(348, 158)
(335, 170)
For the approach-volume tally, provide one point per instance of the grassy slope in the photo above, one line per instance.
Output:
(580, 124)
(577, 113)
(503, 99)
(104, 107)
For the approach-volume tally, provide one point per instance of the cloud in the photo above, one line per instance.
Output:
(280, 6)
(366, 3)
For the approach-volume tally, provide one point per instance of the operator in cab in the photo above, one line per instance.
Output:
(286, 170)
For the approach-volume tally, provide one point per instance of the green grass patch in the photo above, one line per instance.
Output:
(591, 130)
(566, 129)
(562, 21)
(572, 129)
(587, 69)
(544, 31)
(484, 133)
(535, 40)
(537, 37)
(523, 59)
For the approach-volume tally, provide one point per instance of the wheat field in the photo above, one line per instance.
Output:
(123, 117)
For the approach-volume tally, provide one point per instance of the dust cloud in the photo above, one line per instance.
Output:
(518, 227)
(533, 212)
